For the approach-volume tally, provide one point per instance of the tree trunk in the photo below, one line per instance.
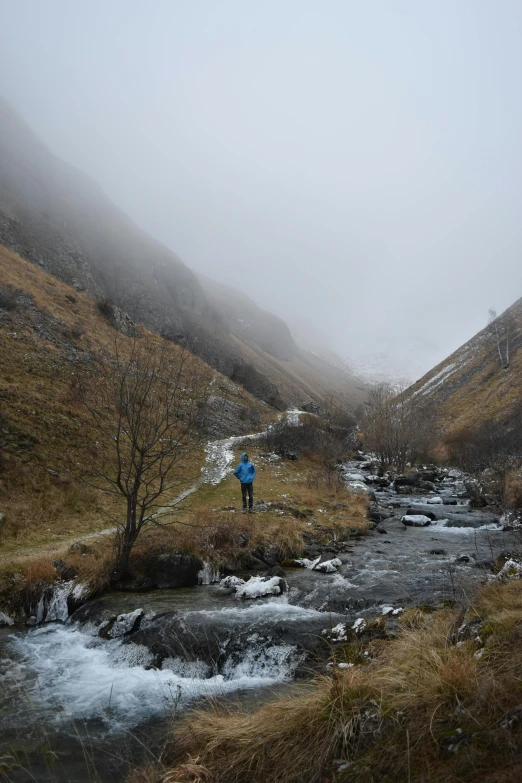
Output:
(126, 540)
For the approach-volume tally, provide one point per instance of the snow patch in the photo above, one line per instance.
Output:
(258, 586)
(416, 520)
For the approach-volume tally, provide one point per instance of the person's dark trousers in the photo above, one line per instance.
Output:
(247, 488)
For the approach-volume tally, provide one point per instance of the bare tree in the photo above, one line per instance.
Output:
(492, 454)
(397, 425)
(147, 404)
(502, 329)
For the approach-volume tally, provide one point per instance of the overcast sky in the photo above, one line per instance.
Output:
(354, 167)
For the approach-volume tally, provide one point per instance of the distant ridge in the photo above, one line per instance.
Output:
(59, 219)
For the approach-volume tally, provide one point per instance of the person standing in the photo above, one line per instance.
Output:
(246, 474)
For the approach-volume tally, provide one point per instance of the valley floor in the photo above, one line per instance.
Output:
(396, 665)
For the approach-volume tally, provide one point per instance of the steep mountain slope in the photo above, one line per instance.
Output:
(55, 217)
(48, 332)
(275, 351)
(482, 380)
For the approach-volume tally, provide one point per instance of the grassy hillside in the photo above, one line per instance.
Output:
(48, 331)
(476, 383)
(58, 219)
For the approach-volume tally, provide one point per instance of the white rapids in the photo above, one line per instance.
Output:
(67, 674)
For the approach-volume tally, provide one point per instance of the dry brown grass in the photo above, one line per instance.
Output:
(23, 579)
(41, 424)
(489, 393)
(210, 524)
(426, 709)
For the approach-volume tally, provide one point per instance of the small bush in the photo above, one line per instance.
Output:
(106, 308)
(70, 298)
(8, 299)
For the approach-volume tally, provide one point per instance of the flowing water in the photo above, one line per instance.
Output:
(78, 706)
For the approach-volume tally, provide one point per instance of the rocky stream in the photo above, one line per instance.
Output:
(84, 696)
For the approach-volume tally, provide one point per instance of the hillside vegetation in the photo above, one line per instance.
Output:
(480, 381)
(48, 333)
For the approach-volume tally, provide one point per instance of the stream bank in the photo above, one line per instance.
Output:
(84, 693)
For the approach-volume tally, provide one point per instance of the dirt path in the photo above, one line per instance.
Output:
(218, 464)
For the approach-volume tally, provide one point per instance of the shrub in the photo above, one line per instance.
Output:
(8, 298)
(106, 308)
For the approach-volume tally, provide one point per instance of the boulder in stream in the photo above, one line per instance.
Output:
(415, 520)
(260, 587)
(122, 625)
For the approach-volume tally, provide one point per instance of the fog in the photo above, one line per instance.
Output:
(354, 167)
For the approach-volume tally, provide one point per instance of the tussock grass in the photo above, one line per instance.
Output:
(44, 342)
(426, 708)
(23, 579)
(210, 523)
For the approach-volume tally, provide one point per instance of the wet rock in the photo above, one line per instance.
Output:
(64, 571)
(437, 552)
(381, 531)
(222, 638)
(476, 494)
(276, 571)
(122, 625)
(252, 563)
(463, 559)
(379, 514)
(406, 481)
(450, 501)
(272, 556)
(414, 512)
(142, 585)
(377, 481)
(173, 570)
(486, 565)
(415, 520)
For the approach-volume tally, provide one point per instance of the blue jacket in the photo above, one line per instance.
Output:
(245, 471)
